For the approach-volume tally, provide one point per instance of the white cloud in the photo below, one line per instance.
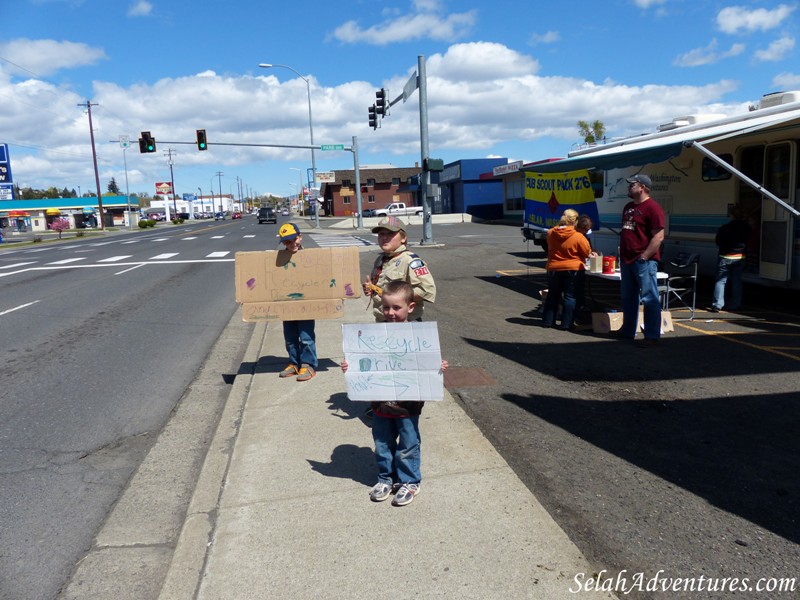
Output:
(424, 23)
(45, 57)
(735, 19)
(141, 8)
(480, 95)
(648, 3)
(786, 81)
(707, 56)
(777, 50)
(549, 37)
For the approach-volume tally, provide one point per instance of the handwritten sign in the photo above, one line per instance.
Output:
(393, 361)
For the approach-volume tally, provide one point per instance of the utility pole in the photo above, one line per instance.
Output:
(89, 106)
(219, 175)
(172, 182)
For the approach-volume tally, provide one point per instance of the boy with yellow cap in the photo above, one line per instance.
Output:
(299, 335)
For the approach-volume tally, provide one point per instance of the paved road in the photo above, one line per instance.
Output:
(101, 338)
(681, 458)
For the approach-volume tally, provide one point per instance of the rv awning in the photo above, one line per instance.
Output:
(661, 146)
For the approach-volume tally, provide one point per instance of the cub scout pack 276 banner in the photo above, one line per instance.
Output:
(548, 195)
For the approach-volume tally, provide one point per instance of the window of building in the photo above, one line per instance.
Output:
(346, 183)
(711, 171)
(515, 194)
(346, 199)
(395, 181)
(371, 182)
(370, 199)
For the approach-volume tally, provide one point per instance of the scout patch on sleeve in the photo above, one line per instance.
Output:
(416, 264)
(421, 271)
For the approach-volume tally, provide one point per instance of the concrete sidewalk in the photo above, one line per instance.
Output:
(282, 509)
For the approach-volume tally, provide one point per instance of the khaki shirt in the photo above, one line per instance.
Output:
(403, 265)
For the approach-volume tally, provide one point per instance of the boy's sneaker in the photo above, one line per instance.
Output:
(305, 373)
(405, 495)
(289, 371)
(380, 492)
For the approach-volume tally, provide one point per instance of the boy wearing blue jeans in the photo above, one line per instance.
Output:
(395, 425)
(299, 336)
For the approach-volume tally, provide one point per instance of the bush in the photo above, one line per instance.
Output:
(144, 223)
(177, 221)
(60, 225)
(37, 239)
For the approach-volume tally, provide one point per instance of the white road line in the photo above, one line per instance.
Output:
(18, 265)
(164, 256)
(131, 269)
(10, 310)
(186, 239)
(217, 237)
(114, 258)
(132, 242)
(249, 236)
(160, 239)
(217, 254)
(66, 261)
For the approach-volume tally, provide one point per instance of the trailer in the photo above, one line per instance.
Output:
(701, 166)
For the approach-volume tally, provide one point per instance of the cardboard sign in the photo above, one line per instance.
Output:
(612, 321)
(315, 280)
(393, 361)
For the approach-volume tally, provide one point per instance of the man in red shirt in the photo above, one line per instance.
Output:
(640, 250)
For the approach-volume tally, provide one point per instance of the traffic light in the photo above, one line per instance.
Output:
(146, 143)
(201, 140)
(373, 117)
(380, 101)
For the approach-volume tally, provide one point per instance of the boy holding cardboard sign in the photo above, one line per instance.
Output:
(299, 336)
(395, 424)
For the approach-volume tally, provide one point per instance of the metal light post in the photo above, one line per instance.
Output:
(202, 211)
(311, 131)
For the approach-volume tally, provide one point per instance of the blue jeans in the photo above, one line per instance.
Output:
(559, 282)
(397, 449)
(300, 342)
(729, 269)
(639, 284)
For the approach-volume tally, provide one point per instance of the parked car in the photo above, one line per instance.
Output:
(236, 215)
(220, 216)
(267, 214)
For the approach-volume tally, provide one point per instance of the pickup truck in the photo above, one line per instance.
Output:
(397, 209)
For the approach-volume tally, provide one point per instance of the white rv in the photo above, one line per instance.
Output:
(701, 166)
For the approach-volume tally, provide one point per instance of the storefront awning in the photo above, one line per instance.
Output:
(88, 210)
(52, 212)
(18, 213)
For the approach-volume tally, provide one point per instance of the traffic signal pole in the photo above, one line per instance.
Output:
(425, 178)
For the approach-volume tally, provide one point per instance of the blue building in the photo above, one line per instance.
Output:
(464, 187)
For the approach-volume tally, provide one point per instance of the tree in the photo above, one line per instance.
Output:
(113, 188)
(61, 224)
(592, 133)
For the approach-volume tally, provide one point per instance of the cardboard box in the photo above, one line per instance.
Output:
(612, 321)
(318, 279)
(596, 263)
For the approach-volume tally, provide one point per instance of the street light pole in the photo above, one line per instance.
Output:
(219, 174)
(311, 131)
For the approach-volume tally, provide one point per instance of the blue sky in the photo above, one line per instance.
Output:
(504, 79)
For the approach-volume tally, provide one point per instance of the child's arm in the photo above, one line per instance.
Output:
(444, 365)
(344, 366)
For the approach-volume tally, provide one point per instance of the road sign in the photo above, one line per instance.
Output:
(332, 147)
(124, 141)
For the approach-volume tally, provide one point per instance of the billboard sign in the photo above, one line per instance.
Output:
(163, 188)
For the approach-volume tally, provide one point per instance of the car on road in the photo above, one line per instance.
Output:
(285, 212)
(220, 216)
(236, 215)
(267, 214)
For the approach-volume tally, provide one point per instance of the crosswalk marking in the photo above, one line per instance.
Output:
(217, 254)
(114, 258)
(335, 241)
(164, 256)
(66, 261)
(15, 265)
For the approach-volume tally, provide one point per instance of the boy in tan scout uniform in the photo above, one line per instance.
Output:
(398, 263)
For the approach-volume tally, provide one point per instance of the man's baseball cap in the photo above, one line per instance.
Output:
(288, 232)
(393, 224)
(641, 178)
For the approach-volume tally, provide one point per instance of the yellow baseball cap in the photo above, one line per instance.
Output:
(288, 232)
